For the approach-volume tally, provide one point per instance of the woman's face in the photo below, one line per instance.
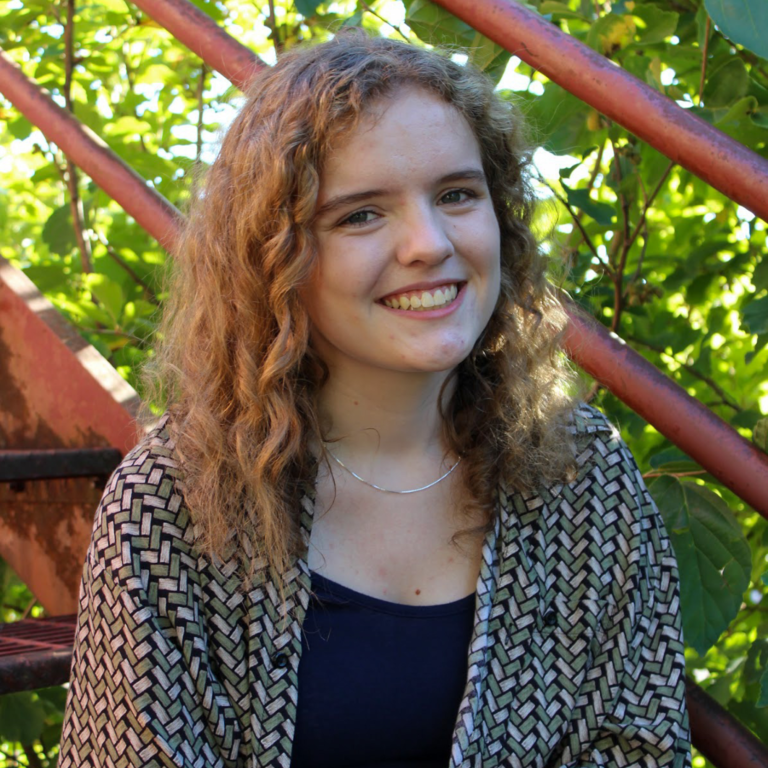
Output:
(409, 253)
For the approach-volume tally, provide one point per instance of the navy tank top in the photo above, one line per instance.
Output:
(379, 683)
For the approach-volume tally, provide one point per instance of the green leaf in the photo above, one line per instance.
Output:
(355, 20)
(436, 26)
(20, 128)
(21, 717)
(307, 7)
(212, 9)
(108, 292)
(559, 10)
(669, 456)
(754, 316)
(489, 57)
(602, 213)
(726, 84)
(47, 276)
(610, 33)
(763, 699)
(760, 275)
(58, 233)
(742, 21)
(760, 434)
(713, 555)
(657, 24)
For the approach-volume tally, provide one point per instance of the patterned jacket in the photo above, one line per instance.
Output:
(576, 657)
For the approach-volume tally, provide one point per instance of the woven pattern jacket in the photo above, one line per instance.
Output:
(576, 657)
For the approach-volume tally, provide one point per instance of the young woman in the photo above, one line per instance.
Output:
(373, 528)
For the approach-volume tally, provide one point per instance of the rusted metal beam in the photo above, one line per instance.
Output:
(691, 142)
(56, 392)
(57, 463)
(719, 736)
(87, 151)
(687, 423)
(203, 36)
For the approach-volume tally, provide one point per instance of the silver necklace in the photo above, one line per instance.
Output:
(388, 490)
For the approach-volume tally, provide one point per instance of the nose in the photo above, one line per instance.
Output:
(424, 238)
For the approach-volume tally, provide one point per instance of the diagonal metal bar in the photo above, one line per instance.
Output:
(87, 151)
(718, 735)
(691, 142)
(203, 36)
(691, 426)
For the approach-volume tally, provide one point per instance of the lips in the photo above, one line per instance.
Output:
(420, 300)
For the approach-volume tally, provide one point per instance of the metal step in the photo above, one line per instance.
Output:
(36, 653)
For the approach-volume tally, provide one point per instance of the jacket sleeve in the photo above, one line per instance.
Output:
(634, 709)
(145, 689)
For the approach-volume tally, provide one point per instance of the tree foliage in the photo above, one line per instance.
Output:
(675, 268)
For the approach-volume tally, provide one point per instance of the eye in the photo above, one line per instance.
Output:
(457, 196)
(358, 218)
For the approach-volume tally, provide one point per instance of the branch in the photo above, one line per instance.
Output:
(273, 26)
(30, 606)
(576, 221)
(624, 244)
(149, 294)
(200, 92)
(641, 222)
(590, 184)
(397, 29)
(131, 81)
(696, 374)
(704, 57)
(75, 203)
(33, 760)
(596, 167)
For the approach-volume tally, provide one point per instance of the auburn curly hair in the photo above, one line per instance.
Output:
(234, 365)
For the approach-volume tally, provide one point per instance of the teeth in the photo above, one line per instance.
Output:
(426, 300)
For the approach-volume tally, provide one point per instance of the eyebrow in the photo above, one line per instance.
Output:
(341, 201)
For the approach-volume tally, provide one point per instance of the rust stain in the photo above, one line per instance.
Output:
(16, 419)
(55, 517)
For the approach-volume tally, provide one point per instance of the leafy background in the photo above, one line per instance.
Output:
(672, 266)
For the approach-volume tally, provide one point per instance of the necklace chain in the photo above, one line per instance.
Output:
(388, 490)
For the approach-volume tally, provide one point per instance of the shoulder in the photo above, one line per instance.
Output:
(142, 508)
(603, 520)
(600, 454)
(585, 419)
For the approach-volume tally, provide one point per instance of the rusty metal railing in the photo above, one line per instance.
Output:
(668, 407)
(91, 154)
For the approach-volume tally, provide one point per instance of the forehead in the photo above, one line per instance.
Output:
(410, 133)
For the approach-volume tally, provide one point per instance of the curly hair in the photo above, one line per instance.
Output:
(234, 365)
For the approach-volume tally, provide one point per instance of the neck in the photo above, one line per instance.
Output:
(383, 414)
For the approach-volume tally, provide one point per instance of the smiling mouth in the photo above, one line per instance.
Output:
(420, 301)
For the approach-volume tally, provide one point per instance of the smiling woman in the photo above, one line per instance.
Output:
(373, 528)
